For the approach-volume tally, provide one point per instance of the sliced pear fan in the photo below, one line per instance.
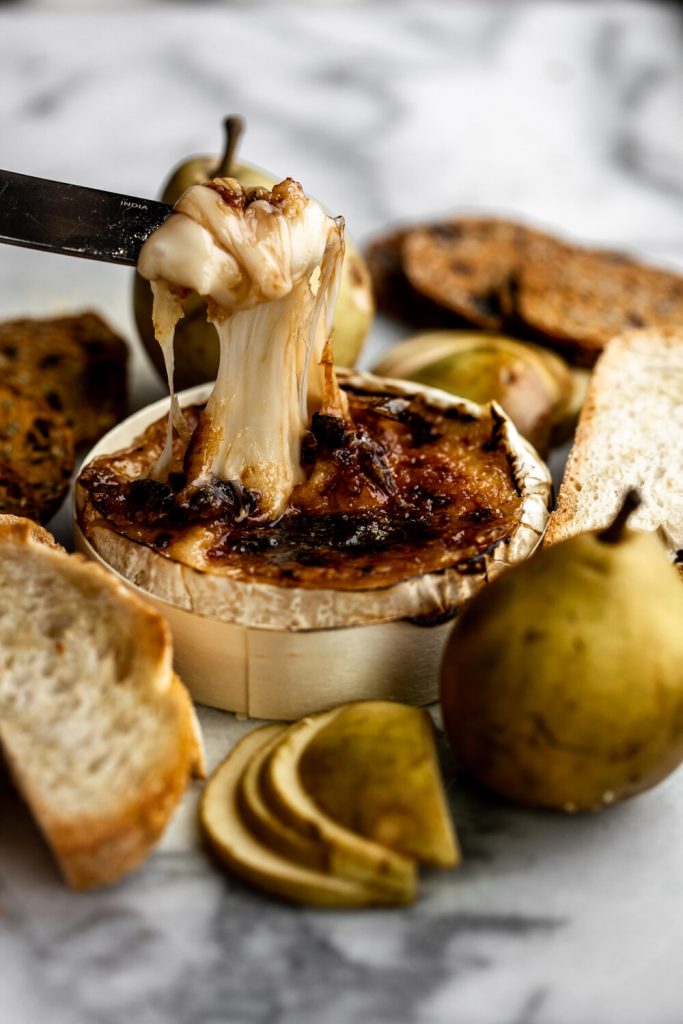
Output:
(348, 855)
(335, 809)
(264, 822)
(374, 769)
(252, 860)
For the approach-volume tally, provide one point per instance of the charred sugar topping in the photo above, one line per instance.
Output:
(397, 490)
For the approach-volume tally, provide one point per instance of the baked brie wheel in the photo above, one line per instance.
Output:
(309, 534)
(270, 647)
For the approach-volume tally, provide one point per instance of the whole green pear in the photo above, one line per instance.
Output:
(196, 342)
(562, 681)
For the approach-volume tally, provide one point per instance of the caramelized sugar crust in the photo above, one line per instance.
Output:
(402, 490)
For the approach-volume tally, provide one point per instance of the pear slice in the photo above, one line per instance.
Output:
(374, 769)
(249, 858)
(534, 385)
(262, 820)
(348, 854)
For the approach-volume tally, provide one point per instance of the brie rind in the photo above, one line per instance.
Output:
(430, 596)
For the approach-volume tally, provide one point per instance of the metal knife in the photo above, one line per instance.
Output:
(77, 221)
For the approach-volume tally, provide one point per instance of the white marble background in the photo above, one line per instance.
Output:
(570, 114)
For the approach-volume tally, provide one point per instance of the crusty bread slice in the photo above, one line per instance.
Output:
(630, 434)
(99, 734)
(75, 364)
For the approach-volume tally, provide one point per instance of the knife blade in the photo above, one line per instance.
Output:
(57, 217)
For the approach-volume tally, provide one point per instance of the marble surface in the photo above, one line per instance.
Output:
(568, 114)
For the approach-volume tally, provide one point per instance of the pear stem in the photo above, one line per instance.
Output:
(234, 129)
(613, 533)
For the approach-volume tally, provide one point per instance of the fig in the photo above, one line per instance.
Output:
(562, 681)
(196, 342)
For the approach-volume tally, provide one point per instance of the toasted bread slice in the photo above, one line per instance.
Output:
(394, 294)
(76, 364)
(629, 434)
(502, 276)
(466, 266)
(578, 299)
(36, 455)
(99, 734)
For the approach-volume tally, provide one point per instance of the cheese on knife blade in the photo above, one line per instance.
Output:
(268, 264)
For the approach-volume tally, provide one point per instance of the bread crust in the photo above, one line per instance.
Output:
(20, 530)
(394, 294)
(97, 848)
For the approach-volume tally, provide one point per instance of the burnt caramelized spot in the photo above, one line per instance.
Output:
(217, 499)
(495, 443)
(413, 413)
(331, 432)
(150, 501)
(230, 191)
(401, 489)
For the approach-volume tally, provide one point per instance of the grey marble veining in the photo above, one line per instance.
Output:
(549, 919)
(569, 114)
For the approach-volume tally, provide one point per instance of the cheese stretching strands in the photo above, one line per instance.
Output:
(269, 266)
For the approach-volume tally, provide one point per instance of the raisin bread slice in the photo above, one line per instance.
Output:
(75, 364)
(36, 455)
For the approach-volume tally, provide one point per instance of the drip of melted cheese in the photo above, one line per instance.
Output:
(269, 267)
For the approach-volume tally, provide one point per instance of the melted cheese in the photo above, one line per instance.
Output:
(270, 271)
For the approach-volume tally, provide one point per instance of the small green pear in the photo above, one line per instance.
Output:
(562, 682)
(196, 341)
